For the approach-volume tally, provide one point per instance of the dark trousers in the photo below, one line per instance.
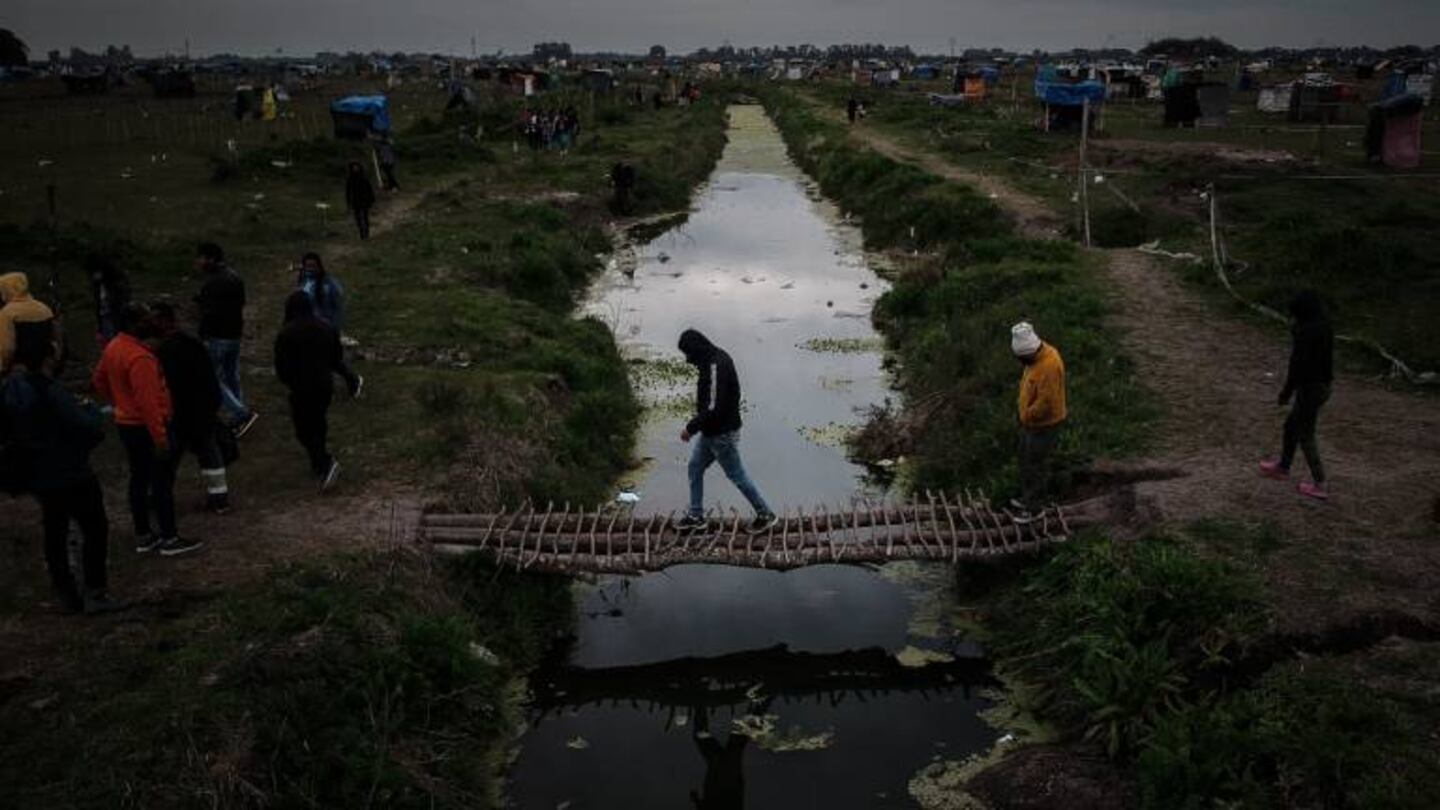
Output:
(83, 504)
(1300, 428)
(152, 481)
(1036, 447)
(387, 172)
(362, 221)
(308, 412)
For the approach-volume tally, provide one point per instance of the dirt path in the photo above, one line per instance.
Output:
(1032, 216)
(1374, 547)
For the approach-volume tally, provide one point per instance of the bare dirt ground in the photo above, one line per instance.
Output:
(262, 532)
(1374, 548)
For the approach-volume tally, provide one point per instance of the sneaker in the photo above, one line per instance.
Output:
(100, 601)
(177, 545)
(245, 424)
(1022, 517)
(691, 523)
(146, 543)
(1270, 468)
(217, 504)
(1316, 491)
(763, 522)
(330, 476)
(359, 386)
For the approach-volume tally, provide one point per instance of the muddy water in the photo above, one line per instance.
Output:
(844, 680)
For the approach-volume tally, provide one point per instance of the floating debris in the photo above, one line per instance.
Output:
(914, 657)
(577, 743)
(863, 345)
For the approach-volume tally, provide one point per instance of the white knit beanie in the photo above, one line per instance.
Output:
(1023, 340)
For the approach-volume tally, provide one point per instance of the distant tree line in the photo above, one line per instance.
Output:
(1196, 48)
(13, 51)
(545, 51)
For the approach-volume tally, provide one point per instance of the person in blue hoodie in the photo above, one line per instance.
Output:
(54, 433)
(327, 298)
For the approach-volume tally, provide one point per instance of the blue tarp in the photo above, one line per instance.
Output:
(991, 75)
(376, 107)
(925, 72)
(1064, 94)
(1395, 85)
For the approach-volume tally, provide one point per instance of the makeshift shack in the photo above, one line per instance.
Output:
(1065, 100)
(925, 72)
(1182, 105)
(1213, 100)
(356, 117)
(598, 81)
(1420, 84)
(1275, 99)
(1315, 103)
(1393, 135)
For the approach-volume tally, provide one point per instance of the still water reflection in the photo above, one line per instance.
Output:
(706, 686)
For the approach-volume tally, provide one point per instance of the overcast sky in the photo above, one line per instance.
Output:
(302, 27)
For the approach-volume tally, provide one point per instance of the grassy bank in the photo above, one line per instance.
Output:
(1157, 652)
(274, 669)
(1283, 212)
(948, 314)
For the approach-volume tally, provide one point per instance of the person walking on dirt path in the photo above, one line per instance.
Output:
(852, 109)
(716, 428)
(56, 433)
(328, 299)
(622, 179)
(385, 154)
(23, 320)
(1042, 413)
(110, 290)
(222, 322)
(1308, 380)
(307, 353)
(195, 400)
(359, 197)
(130, 378)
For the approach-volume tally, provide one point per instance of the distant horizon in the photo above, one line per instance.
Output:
(37, 55)
(267, 28)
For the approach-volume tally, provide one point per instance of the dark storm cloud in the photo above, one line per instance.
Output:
(304, 26)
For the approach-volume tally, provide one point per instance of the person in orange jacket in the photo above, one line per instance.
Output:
(130, 378)
(1042, 413)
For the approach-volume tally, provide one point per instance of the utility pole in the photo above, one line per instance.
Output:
(1084, 178)
(187, 49)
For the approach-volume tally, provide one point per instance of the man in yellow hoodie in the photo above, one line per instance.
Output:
(1042, 413)
(21, 318)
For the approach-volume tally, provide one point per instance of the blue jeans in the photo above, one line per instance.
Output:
(724, 448)
(225, 356)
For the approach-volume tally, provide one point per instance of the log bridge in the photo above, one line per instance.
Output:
(614, 540)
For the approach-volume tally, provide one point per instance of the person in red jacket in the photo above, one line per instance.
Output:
(130, 378)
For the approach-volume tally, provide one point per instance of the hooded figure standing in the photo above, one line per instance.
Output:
(1308, 380)
(307, 353)
(328, 299)
(717, 426)
(1042, 413)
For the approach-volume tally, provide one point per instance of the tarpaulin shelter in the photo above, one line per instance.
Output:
(1315, 103)
(1396, 84)
(355, 117)
(1182, 105)
(1275, 99)
(1214, 103)
(1420, 84)
(1393, 134)
(925, 72)
(1064, 101)
(991, 75)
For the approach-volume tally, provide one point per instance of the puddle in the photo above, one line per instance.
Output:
(715, 687)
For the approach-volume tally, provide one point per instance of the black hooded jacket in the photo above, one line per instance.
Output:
(1313, 350)
(307, 350)
(717, 395)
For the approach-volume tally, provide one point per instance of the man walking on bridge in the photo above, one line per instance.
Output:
(717, 424)
(1042, 413)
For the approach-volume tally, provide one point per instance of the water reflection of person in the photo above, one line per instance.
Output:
(724, 787)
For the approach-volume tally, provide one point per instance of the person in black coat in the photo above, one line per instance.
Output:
(110, 288)
(194, 402)
(307, 356)
(222, 325)
(54, 433)
(1308, 380)
(359, 197)
(717, 425)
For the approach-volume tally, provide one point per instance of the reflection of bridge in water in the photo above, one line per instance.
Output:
(736, 679)
(611, 540)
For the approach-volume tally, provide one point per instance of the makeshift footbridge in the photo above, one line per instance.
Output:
(615, 540)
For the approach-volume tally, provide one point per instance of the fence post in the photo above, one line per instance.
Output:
(1084, 179)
